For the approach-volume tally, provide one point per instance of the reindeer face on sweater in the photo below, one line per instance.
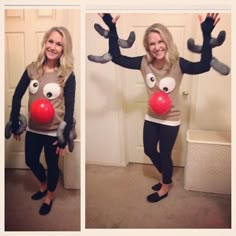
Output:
(46, 103)
(166, 84)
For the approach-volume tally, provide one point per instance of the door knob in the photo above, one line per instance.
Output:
(185, 93)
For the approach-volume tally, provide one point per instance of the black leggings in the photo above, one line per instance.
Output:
(34, 143)
(154, 133)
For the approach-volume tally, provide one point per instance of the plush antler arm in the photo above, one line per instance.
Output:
(214, 42)
(219, 66)
(121, 42)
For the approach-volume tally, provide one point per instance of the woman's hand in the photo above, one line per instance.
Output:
(59, 150)
(16, 137)
(209, 23)
(109, 20)
(114, 19)
(214, 17)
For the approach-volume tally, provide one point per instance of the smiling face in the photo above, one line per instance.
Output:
(54, 47)
(156, 46)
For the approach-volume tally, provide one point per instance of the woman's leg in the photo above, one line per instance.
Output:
(52, 174)
(33, 148)
(168, 135)
(52, 163)
(151, 136)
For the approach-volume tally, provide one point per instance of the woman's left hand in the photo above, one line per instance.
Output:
(215, 17)
(61, 151)
(209, 23)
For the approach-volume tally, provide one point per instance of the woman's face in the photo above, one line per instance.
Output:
(157, 47)
(53, 46)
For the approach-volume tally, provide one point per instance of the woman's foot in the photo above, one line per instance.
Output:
(42, 191)
(160, 194)
(38, 195)
(155, 197)
(157, 186)
(164, 189)
(46, 206)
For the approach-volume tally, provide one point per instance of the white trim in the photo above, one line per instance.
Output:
(209, 137)
(49, 133)
(163, 122)
(105, 163)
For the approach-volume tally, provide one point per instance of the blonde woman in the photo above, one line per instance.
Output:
(162, 69)
(51, 84)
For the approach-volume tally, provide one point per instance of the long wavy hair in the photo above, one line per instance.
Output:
(172, 54)
(65, 63)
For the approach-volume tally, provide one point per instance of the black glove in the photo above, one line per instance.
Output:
(15, 126)
(63, 140)
(107, 18)
(66, 135)
(207, 26)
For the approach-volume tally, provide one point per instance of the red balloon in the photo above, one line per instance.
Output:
(41, 111)
(160, 103)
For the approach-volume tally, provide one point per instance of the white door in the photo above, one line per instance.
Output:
(181, 28)
(24, 29)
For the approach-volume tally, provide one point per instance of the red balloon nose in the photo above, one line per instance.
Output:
(160, 103)
(41, 111)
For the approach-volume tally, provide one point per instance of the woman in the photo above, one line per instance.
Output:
(50, 79)
(162, 70)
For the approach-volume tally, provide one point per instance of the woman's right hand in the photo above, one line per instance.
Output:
(114, 19)
(18, 125)
(16, 137)
(15, 127)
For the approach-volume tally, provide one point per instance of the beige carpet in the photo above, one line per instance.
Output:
(21, 213)
(116, 198)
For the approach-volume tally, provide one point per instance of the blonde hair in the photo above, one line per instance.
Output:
(65, 63)
(172, 54)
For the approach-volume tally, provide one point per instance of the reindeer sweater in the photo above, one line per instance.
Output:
(63, 103)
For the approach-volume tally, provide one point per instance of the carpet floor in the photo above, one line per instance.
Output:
(116, 198)
(22, 213)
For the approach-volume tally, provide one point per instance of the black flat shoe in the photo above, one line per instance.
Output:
(39, 195)
(45, 208)
(157, 187)
(154, 197)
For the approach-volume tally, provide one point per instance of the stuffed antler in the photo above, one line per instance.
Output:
(214, 42)
(122, 43)
(21, 129)
(72, 134)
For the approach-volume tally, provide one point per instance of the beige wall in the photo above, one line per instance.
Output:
(104, 110)
(211, 92)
